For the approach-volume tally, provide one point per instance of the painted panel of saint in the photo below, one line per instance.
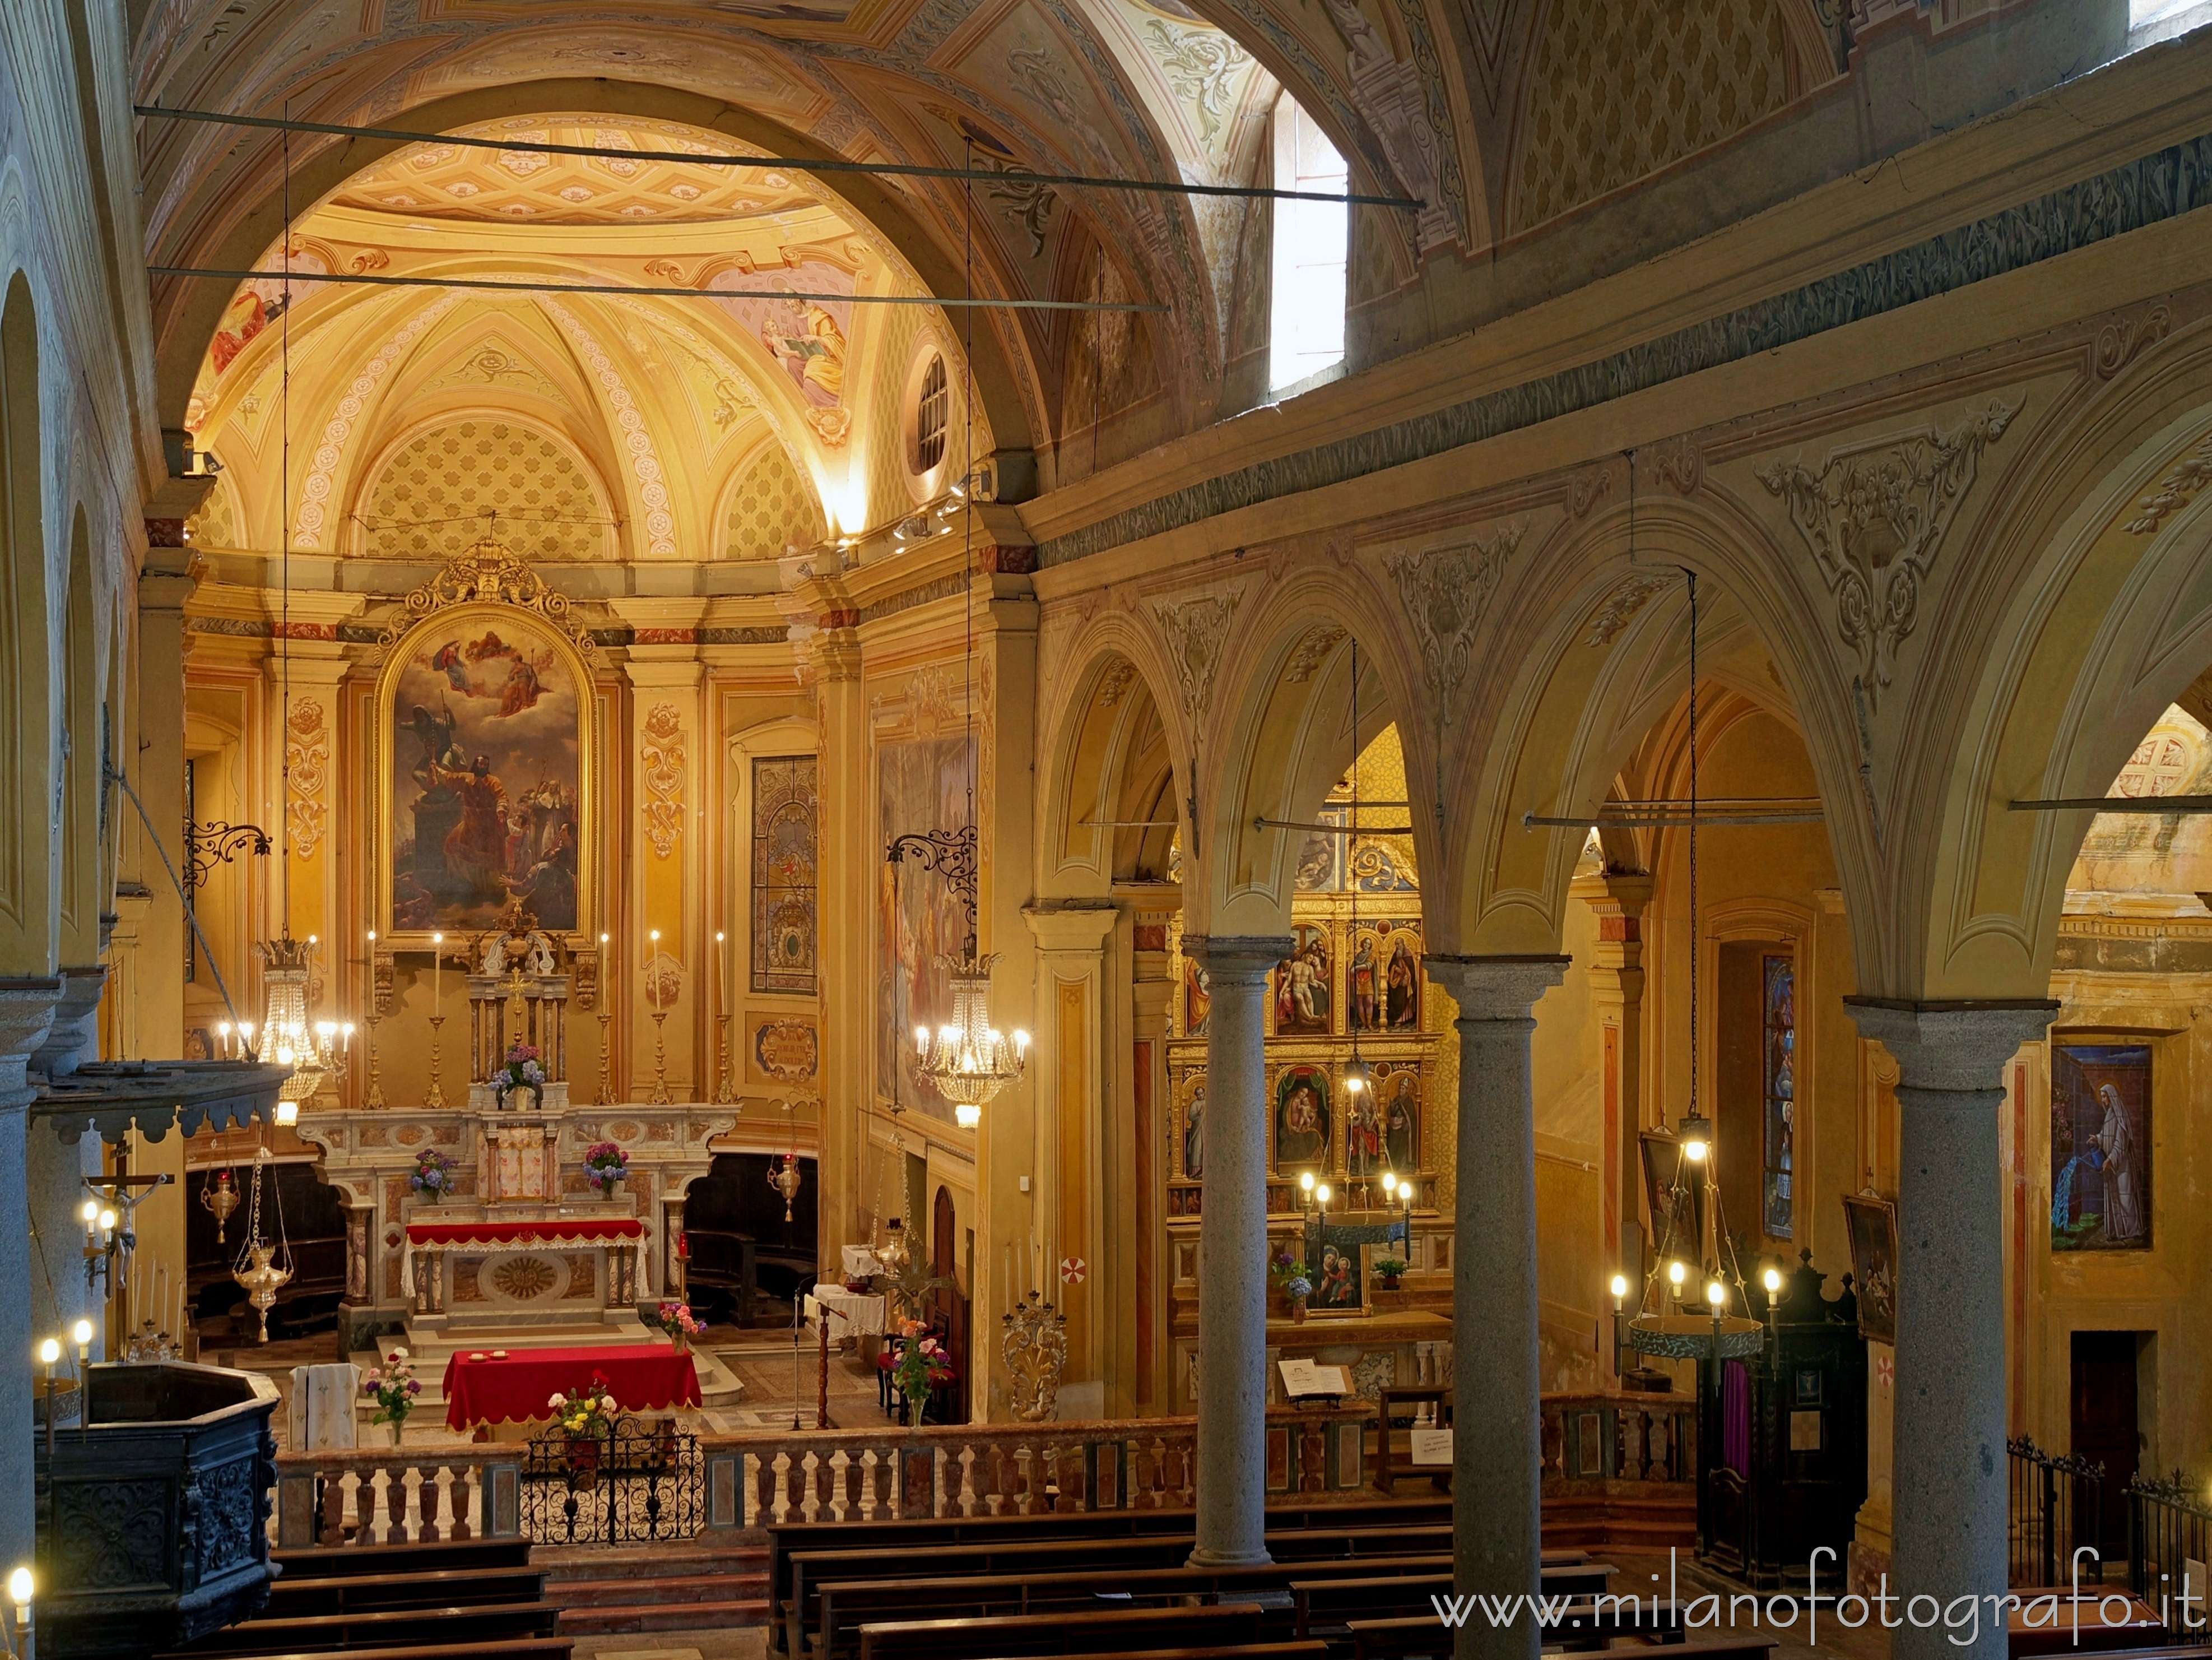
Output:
(1302, 1119)
(486, 775)
(1193, 1125)
(1305, 986)
(1398, 1090)
(1382, 982)
(2101, 1146)
(1197, 998)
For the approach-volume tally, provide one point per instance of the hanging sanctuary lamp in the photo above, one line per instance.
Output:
(1694, 1305)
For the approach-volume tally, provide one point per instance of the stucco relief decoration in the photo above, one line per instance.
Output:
(1621, 609)
(2120, 342)
(1200, 64)
(1445, 592)
(315, 489)
(636, 437)
(1115, 684)
(662, 758)
(307, 769)
(2183, 480)
(1312, 652)
(1874, 516)
(1388, 91)
(1196, 631)
(487, 574)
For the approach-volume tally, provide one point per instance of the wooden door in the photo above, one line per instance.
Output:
(2105, 1427)
(949, 1301)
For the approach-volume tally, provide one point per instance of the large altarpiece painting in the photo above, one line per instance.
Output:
(485, 726)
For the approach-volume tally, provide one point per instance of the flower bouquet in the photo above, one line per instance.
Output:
(922, 1365)
(604, 1164)
(521, 1070)
(395, 1387)
(677, 1320)
(433, 1175)
(1288, 1272)
(587, 1420)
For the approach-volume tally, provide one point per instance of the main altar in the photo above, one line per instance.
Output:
(514, 1243)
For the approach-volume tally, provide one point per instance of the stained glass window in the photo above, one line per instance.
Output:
(784, 867)
(1779, 985)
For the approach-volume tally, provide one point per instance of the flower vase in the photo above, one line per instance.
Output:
(398, 1428)
(430, 1195)
(1297, 1311)
(680, 1341)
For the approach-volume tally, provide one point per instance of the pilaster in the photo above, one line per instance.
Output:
(1081, 1145)
(850, 866)
(667, 727)
(1616, 971)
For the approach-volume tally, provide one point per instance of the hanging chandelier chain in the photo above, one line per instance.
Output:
(1695, 983)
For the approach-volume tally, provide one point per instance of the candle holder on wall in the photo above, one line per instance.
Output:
(725, 1086)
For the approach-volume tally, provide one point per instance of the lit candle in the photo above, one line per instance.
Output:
(437, 972)
(652, 939)
(722, 971)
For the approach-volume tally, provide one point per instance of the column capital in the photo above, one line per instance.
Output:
(1234, 958)
(1960, 1046)
(1079, 927)
(1615, 893)
(1496, 988)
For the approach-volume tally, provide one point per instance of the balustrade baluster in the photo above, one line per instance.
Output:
(464, 1490)
(428, 1499)
(330, 1525)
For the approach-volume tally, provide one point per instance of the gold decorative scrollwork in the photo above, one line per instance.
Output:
(489, 573)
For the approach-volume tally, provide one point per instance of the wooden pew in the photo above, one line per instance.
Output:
(809, 1570)
(848, 1604)
(906, 1538)
(533, 1648)
(1141, 1631)
(361, 1593)
(1231, 1651)
(1324, 1604)
(334, 1561)
(385, 1628)
(1424, 1636)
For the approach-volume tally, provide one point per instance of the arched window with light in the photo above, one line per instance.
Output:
(1305, 330)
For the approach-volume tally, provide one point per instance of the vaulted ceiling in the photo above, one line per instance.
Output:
(1498, 115)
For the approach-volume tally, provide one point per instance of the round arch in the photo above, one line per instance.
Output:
(2109, 622)
(1606, 657)
(1283, 739)
(1097, 730)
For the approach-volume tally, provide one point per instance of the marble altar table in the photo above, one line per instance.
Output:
(552, 1267)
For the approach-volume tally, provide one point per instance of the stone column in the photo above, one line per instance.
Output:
(1232, 1252)
(26, 1010)
(1950, 1472)
(1497, 1452)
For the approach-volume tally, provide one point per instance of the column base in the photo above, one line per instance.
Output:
(1203, 1558)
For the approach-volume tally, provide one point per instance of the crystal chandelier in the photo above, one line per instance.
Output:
(316, 1051)
(969, 1060)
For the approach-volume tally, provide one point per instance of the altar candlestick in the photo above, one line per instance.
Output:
(606, 1016)
(659, 1096)
(436, 1096)
(722, 1091)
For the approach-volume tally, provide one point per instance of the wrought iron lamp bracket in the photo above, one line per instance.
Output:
(212, 844)
(952, 854)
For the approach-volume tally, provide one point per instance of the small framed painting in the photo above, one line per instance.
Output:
(1872, 1226)
(1339, 1280)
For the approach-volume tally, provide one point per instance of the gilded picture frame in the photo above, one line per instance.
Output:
(532, 658)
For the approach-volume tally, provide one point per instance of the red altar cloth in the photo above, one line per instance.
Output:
(560, 1231)
(642, 1376)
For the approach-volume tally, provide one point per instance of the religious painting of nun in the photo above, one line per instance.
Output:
(1872, 1226)
(1302, 1119)
(2101, 1146)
